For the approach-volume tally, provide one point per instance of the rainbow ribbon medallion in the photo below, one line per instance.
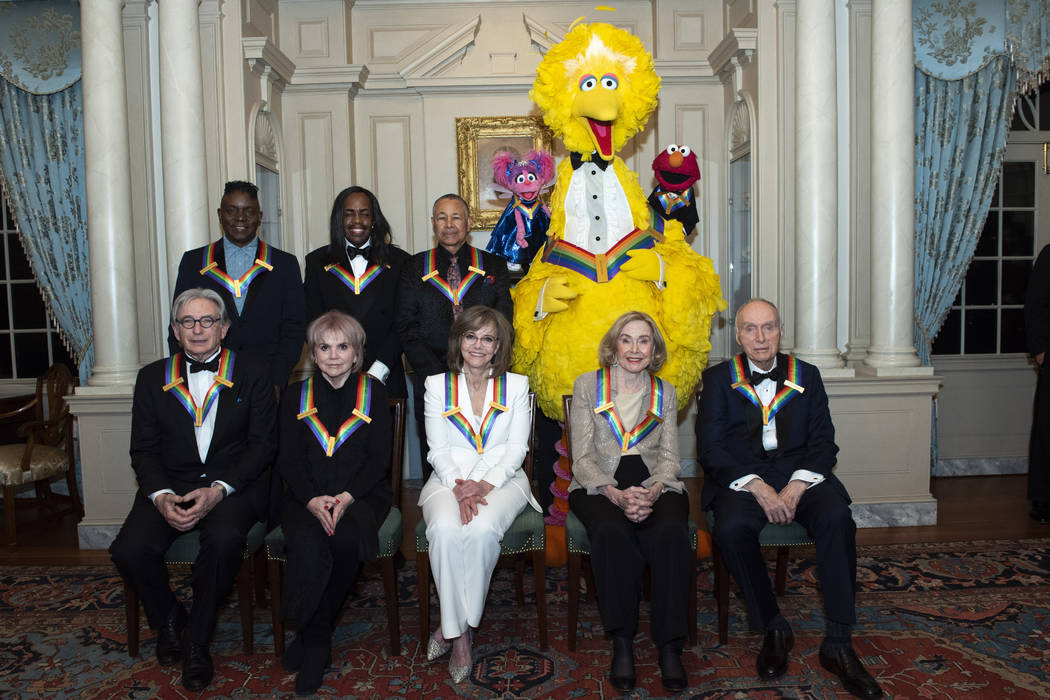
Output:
(742, 384)
(355, 284)
(604, 406)
(474, 272)
(176, 384)
(454, 413)
(358, 417)
(600, 267)
(671, 201)
(236, 286)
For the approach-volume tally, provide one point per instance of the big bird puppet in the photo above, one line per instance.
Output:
(596, 89)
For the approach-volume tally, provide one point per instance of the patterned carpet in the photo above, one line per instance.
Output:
(960, 620)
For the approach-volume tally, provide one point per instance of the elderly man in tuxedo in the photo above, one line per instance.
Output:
(202, 434)
(767, 446)
(436, 285)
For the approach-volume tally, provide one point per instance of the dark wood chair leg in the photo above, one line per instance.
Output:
(588, 574)
(131, 616)
(423, 593)
(390, 589)
(721, 594)
(691, 629)
(781, 574)
(9, 516)
(244, 593)
(259, 577)
(275, 573)
(539, 578)
(573, 585)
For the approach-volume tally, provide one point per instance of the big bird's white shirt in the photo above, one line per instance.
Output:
(453, 456)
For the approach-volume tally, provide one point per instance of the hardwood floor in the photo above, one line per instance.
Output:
(968, 508)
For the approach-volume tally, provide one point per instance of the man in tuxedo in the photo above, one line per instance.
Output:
(767, 446)
(436, 285)
(260, 285)
(1037, 329)
(202, 434)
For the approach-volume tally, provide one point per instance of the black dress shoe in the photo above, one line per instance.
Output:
(197, 669)
(169, 637)
(843, 662)
(773, 657)
(621, 672)
(1040, 512)
(292, 658)
(311, 674)
(672, 673)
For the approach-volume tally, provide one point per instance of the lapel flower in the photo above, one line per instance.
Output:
(489, 279)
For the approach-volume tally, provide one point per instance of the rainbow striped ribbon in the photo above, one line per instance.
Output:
(604, 405)
(600, 267)
(474, 272)
(358, 417)
(742, 383)
(236, 286)
(671, 201)
(454, 413)
(356, 284)
(176, 384)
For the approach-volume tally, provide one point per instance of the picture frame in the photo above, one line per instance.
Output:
(477, 140)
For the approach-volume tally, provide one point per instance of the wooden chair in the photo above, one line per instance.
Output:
(579, 546)
(389, 546)
(526, 535)
(47, 452)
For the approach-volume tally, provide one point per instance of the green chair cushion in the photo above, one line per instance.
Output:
(526, 534)
(185, 548)
(389, 537)
(772, 535)
(578, 543)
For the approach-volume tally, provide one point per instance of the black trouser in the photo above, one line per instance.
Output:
(825, 513)
(138, 552)
(620, 550)
(1039, 443)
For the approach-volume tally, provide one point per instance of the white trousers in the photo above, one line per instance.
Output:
(462, 557)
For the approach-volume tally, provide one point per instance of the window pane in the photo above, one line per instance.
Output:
(5, 356)
(3, 258)
(1012, 338)
(957, 301)
(28, 307)
(980, 331)
(1015, 280)
(4, 320)
(947, 340)
(988, 243)
(20, 269)
(1018, 232)
(1019, 184)
(982, 283)
(31, 351)
(59, 354)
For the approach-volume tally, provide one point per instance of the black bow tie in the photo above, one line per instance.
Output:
(211, 365)
(577, 160)
(759, 377)
(353, 251)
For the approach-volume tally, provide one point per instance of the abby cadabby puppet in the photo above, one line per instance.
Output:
(522, 228)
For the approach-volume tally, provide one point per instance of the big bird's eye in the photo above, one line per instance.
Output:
(610, 82)
(672, 148)
(520, 178)
(531, 177)
(685, 150)
(588, 83)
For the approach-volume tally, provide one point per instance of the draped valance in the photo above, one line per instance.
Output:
(40, 44)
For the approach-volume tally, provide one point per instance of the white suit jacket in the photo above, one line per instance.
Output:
(453, 456)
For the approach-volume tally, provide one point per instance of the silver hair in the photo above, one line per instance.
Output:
(199, 293)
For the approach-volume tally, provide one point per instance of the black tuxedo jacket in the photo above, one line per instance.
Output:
(375, 308)
(729, 433)
(424, 314)
(273, 322)
(163, 444)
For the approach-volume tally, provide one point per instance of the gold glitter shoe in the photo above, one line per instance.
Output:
(458, 674)
(436, 649)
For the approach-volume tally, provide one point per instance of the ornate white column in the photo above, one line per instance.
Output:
(108, 185)
(186, 215)
(892, 188)
(816, 194)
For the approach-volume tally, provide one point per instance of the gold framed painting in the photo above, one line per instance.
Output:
(477, 140)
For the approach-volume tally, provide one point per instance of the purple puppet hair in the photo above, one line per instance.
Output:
(506, 167)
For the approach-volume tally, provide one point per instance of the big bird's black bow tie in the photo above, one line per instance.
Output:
(577, 160)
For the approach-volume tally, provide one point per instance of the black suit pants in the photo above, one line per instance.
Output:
(825, 514)
(139, 548)
(1039, 443)
(620, 550)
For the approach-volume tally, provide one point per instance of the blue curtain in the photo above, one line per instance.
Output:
(961, 128)
(42, 167)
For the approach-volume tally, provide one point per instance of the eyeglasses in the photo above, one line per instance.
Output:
(188, 322)
(472, 337)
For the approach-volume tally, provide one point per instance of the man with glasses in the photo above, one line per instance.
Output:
(767, 445)
(203, 426)
(436, 285)
(260, 285)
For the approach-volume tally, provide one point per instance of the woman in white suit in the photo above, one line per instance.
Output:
(477, 421)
